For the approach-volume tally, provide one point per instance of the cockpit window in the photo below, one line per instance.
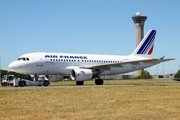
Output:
(19, 59)
(23, 59)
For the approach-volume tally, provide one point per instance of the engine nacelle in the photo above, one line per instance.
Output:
(81, 74)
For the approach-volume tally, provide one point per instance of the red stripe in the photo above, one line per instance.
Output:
(151, 50)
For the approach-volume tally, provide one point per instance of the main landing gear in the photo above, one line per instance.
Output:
(79, 82)
(97, 82)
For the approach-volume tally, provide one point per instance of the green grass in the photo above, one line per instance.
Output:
(144, 101)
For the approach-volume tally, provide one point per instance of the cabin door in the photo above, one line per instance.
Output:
(39, 60)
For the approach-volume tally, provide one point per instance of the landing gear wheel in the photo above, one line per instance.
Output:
(79, 82)
(46, 83)
(22, 84)
(99, 81)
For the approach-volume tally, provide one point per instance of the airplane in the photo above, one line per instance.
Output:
(81, 67)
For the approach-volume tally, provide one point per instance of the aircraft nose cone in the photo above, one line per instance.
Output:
(12, 66)
(17, 66)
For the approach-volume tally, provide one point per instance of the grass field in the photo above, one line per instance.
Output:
(144, 101)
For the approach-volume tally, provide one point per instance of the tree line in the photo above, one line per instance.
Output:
(144, 75)
(17, 75)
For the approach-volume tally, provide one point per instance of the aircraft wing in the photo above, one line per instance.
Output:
(135, 62)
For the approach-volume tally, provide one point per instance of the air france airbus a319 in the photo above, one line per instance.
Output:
(81, 67)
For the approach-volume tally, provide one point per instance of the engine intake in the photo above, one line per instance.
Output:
(81, 74)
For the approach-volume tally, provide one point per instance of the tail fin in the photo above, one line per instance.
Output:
(145, 47)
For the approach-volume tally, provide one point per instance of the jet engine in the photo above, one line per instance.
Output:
(81, 74)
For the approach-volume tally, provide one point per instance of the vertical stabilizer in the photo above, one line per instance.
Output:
(145, 47)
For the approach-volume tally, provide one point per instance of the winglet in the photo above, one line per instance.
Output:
(145, 47)
(162, 58)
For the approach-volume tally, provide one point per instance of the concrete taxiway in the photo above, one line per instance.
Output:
(90, 85)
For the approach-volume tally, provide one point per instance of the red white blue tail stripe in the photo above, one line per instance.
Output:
(146, 46)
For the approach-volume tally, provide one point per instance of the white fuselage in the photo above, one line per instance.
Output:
(62, 63)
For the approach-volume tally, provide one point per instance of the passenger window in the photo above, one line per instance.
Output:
(27, 59)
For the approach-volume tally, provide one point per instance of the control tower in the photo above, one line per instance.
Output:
(139, 24)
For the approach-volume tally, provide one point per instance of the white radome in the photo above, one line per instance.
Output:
(137, 14)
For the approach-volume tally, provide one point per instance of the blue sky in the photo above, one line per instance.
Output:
(87, 26)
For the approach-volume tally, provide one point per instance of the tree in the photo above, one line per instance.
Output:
(3, 72)
(144, 75)
(177, 75)
(17, 75)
